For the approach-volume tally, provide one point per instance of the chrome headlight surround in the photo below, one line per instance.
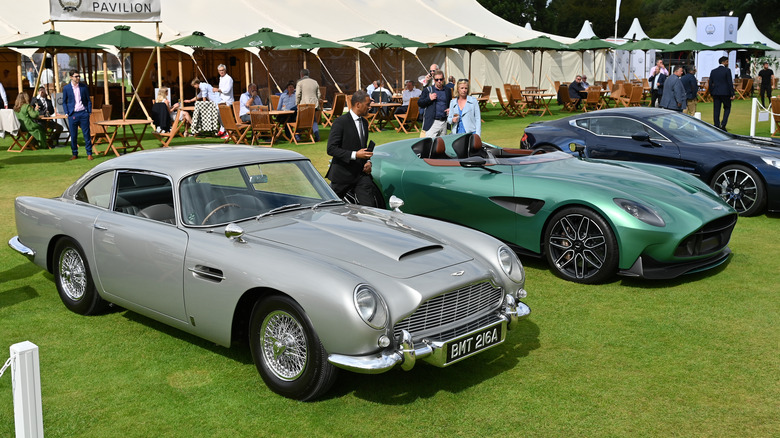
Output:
(370, 306)
(510, 264)
(641, 212)
(772, 161)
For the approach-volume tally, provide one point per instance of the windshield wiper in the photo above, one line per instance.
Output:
(326, 202)
(277, 209)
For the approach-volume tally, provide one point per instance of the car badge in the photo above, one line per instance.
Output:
(458, 273)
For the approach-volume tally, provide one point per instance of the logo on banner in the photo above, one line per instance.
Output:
(731, 29)
(70, 5)
(255, 43)
(710, 29)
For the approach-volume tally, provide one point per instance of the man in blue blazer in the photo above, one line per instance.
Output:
(78, 107)
(722, 91)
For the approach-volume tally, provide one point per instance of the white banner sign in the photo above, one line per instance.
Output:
(105, 10)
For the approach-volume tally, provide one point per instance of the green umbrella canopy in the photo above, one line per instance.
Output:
(122, 38)
(687, 46)
(308, 42)
(471, 42)
(592, 43)
(381, 39)
(197, 39)
(542, 42)
(264, 38)
(49, 39)
(728, 46)
(644, 44)
(757, 45)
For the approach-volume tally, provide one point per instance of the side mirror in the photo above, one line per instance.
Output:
(641, 136)
(396, 203)
(234, 232)
(578, 148)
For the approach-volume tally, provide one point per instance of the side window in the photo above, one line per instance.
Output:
(621, 127)
(145, 195)
(97, 191)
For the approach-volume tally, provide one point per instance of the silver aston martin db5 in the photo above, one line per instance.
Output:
(234, 243)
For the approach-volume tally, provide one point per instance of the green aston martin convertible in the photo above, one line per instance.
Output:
(591, 219)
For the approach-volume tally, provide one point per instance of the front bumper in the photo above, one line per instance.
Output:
(648, 268)
(21, 249)
(406, 352)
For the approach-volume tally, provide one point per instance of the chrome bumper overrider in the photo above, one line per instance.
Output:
(406, 352)
(21, 249)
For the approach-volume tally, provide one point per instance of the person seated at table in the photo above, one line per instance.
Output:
(380, 95)
(28, 118)
(162, 96)
(46, 108)
(577, 92)
(464, 114)
(409, 92)
(585, 83)
(247, 100)
(371, 87)
(287, 103)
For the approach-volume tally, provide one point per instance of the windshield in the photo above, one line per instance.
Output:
(237, 193)
(686, 128)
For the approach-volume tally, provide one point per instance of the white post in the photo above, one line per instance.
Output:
(26, 376)
(753, 105)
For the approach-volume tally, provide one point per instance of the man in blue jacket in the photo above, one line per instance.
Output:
(722, 91)
(436, 101)
(78, 107)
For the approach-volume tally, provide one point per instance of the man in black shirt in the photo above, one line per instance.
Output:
(767, 80)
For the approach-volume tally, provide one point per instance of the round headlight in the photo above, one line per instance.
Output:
(370, 306)
(511, 264)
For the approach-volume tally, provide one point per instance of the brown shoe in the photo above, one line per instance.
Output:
(89, 157)
(73, 157)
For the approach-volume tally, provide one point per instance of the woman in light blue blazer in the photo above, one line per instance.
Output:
(464, 114)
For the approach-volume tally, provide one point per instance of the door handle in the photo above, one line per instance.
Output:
(99, 227)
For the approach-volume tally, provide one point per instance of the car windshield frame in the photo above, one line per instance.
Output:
(216, 197)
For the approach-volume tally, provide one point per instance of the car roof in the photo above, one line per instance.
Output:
(183, 160)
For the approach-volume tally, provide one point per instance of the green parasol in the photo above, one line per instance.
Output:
(471, 43)
(382, 40)
(264, 39)
(593, 43)
(541, 43)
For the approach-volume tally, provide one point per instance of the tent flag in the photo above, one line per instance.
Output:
(617, 11)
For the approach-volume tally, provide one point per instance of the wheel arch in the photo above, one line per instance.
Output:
(243, 311)
(580, 204)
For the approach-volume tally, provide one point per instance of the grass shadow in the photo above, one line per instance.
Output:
(398, 387)
(24, 270)
(15, 296)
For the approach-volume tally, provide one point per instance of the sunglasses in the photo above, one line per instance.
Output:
(439, 79)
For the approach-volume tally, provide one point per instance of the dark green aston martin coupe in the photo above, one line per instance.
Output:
(591, 219)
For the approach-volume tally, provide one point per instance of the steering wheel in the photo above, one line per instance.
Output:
(208, 216)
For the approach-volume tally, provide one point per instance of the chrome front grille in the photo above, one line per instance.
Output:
(451, 307)
(712, 237)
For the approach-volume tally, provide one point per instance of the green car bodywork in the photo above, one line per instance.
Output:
(650, 221)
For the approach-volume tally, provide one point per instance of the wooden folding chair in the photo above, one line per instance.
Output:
(23, 140)
(274, 101)
(97, 132)
(483, 97)
(636, 96)
(235, 132)
(745, 89)
(512, 99)
(568, 104)
(262, 126)
(593, 101)
(505, 109)
(166, 137)
(339, 102)
(409, 118)
(237, 115)
(776, 115)
(106, 110)
(304, 123)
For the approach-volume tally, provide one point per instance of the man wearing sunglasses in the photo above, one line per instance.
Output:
(436, 101)
(78, 106)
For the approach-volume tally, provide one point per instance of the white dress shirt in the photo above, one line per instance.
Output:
(226, 89)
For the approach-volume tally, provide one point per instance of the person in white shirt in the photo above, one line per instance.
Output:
(205, 92)
(371, 87)
(3, 96)
(409, 92)
(225, 87)
(247, 100)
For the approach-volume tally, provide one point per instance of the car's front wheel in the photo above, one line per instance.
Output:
(741, 188)
(74, 282)
(286, 350)
(580, 246)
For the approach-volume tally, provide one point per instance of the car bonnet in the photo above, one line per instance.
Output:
(368, 238)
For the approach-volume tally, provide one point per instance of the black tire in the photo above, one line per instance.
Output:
(74, 279)
(580, 246)
(286, 351)
(741, 188)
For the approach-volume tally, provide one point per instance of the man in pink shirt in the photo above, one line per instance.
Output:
(78, 106)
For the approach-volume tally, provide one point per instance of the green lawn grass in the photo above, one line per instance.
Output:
(695, 356)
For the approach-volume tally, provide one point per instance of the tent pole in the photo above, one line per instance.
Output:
(56, 71)
(159, 61)
(181, 80)
(357, 69)
(246, 68)
(105, 79)
(328, 72)
(135, 89)
(19, 75)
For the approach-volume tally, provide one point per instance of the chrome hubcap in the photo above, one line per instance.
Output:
(283, 344)
(578, 246)
(73, 275)
(737, 188)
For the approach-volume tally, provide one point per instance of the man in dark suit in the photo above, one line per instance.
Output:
(78, 107)
(350, 168)
(722, 91)
(436, 101)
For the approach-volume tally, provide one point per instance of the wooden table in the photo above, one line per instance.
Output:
(54, 119)
(382, 117)
(540, 105)
(124, 140)
(279, 125)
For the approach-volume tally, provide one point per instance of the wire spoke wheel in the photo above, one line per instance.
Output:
(73, 274)
(283, 344)
(741, 188)
(580, 246)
